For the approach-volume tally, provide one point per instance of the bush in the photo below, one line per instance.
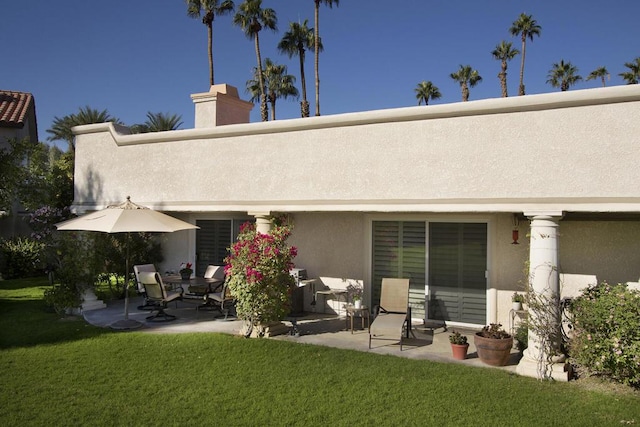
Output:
(607, 333)
(62, 296)
(22, 257)
(258, 275)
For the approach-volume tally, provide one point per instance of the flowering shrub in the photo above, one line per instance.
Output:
(607, 333)
(42, 221)
(258, 275)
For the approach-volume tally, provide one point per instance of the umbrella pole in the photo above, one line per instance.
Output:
(125, 323)
(126, 280)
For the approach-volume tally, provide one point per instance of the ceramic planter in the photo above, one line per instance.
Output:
(492, 351)
(459, 351)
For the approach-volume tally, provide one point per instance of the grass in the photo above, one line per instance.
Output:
(65, 372)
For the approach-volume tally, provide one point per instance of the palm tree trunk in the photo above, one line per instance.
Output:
(524, 47)
(210, 47)
(304, 105)
(317, 55)
(603, 82)
(264, 115)
(503, 79)
(272, 101)
(465, 92)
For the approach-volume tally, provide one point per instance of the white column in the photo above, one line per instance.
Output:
(263, 221)
(537, 361)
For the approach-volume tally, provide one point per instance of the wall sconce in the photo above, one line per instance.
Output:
(515, 232)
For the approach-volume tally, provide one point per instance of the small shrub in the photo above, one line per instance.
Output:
(607, 333)
(522, 336)
(61, 297)
(22, 257)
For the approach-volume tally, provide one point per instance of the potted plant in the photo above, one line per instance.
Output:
(185, 271)
(459, 345)
(517, 300)
(493, 345)
(355, 290)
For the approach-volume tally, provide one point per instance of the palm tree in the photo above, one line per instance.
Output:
(278, 84)
(504, 52)
(563, 75)
(466, 76)
(425, 91)
(208, 9)
(158, 122)
(633, 75)
(525, 26)
(599, 73)
(329, 3)
(296, 41)
(60, 130)
(252, 18)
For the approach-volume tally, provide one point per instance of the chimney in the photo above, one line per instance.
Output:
(220, 106)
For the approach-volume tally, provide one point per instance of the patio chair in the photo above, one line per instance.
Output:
(393, 311)
(158, 295)
(137, 269)
(221, 301)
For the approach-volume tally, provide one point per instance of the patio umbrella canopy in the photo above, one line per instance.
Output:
(126, 217)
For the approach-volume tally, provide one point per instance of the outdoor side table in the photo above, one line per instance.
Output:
(362, 312)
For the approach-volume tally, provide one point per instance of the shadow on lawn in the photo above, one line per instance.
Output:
(28, 322)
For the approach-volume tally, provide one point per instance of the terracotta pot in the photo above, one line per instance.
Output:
(459, 351)
(494, 352)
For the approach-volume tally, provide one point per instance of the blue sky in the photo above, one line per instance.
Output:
(131, 57)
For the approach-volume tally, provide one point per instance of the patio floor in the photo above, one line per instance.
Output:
(314, 328)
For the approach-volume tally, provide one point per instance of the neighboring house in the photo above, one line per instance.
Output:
(431, 193)
(17, 120)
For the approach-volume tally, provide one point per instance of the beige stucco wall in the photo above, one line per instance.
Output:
(489, 155)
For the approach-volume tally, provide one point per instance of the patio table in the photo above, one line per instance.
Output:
(195, 287)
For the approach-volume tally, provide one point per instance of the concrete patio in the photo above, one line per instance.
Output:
(314, 328)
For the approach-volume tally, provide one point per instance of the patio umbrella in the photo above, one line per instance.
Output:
(127, 218)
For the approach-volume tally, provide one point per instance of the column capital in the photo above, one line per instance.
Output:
(547, 214)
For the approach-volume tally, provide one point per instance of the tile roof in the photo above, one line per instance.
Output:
(14, 107)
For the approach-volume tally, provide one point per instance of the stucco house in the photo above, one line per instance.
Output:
(433, 193)
(17, 121)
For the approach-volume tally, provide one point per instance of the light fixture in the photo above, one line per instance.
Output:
(515, 232)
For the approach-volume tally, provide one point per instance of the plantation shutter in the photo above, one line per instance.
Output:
(212, 240)
(399, 251)
(457, 272)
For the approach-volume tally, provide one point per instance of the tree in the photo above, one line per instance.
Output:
(296, 41)
(252, 18)
(504, 52)
(525, 27)
(278, 84)
(208, 9)
(61, 127)
(425, 91)
(329, 3)
(466, 76)
(158, 122)
(563, 75)
(633, 75)
(599, 73)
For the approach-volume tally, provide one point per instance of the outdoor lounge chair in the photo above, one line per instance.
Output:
(393, 311)
(158, 296)
(137, 269)
(221, 301)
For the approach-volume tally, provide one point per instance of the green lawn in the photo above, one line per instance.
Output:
(65, 372)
